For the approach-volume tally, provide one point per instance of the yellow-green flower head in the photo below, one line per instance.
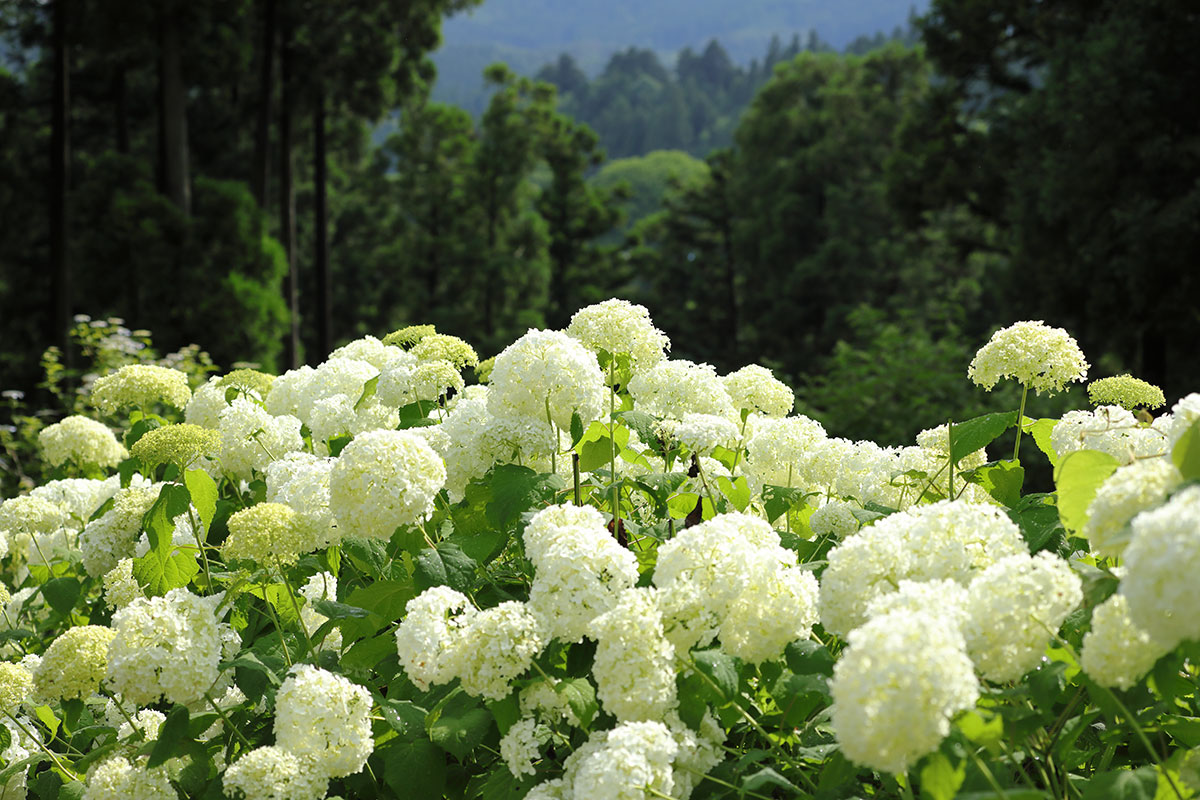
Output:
(407, 337)
(618, 326)
(272, 773)
(181, 444)
(16, 686)
(1125, 391)
(82, 440)
(120, 587)
(267, 532)
(1037, 356)
(141, 386)
(247, 381)
(117, 777)
(30, 515)
(483, 371)
(440, 346)
(754, 388)
(74, 664)
(382, 480)
(5, 595)
(432, 379)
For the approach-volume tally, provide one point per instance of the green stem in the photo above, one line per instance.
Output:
(53, 756)
(228, 722)
(704, 482)
(287, 656)
(553, 427)
(905, 787)
(575, 470)
(987, 775)
(203, 555)
(1020, 423)
(612, 446)
(296, 606)
(124, 713)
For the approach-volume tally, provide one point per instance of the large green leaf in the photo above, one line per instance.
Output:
(61, 594)
(1076, 481)
(1041, 430)
(977, 433)
(159, 521)
(458, 724)
(596, 447)
(414, 769)
(159, 575)
(172, 737)
(203, 491)
(516, 490)
(445, 565)
(940, 779)
(1123, 784)
(1001, 479)
(1186, 453)
(721, 670)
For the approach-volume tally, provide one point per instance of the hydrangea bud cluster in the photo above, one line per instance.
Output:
(1125, 391)
(181, 444)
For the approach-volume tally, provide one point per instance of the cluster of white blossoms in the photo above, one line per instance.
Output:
(301, 482)
(903, 677)
(754, 389)
(675, 388)
(1183, 416)
(140, 386)
(113, 536)
(701, 433)
(948, 539)
(382, 480)
(267, 533)
(325, 720)
(779, 448)
(579, 569)
(547, 374)
(1109, 429)
(1125, 391)
(835, 519)
(322, 586)
(634, 667)
(119, 777)
(443, 637)
(1037, 356)
(1130, 490)
(251, 438)
(166, 647)
(618, 326)
(81, 440)
(1161, 563)
(1116, 652)
(1013, 608)
(273, 773)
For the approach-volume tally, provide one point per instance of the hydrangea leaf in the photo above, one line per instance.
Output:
(445, 565)
(1076, 480)
(1001, 479)
(203, 491)
(738, 491)
(61, 594)
(159, 575)
(415, 769)
(941, 780)
(721, 670)
(516, 490)
(172, 737)
(1123, 784)
(581, 698)
(1041, 430)
(975, 434)
(1186, 453)
(458, 724)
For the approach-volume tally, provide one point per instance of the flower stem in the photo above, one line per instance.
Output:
(1020, 423)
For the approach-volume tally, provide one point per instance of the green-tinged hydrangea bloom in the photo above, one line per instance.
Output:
(1116, 652)
(410, 336)
(5, 595)
(483, 371)
(248, 380)
(16, 685)
(141, 386)
(1125, 391)
(30, 515)
(74, 664)
(618, 326)
(272, 773)
(120, 587)
(440, 346)
(382, 480)
(267, 532)
(181, 444)
(754, 388)
(81, 440)
(1037, 356)
(432, 379)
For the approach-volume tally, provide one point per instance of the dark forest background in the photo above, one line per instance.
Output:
(270, 178)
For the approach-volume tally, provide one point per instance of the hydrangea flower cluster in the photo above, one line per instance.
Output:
(618, 326)
(675, 388)
(753, 388)
(323, 718)
(181, 444)
(74, 664)
(1125, 391)
(547, 373)
(140, 386)
(1161, 562)
(1037, 356)
(382, 480)
(1109, 429)
(81, 440)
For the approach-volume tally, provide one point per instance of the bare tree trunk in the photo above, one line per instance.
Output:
(321, 224)
(260, 180)
(172, 115)
(60, 177)
(287, 197)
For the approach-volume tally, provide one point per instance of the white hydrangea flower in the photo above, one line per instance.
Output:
(272, 773)
(117, 777)
(776, 451)
(1037, 356)
(1109, 429)
(25, 517)
(1130, 490)
(495, 646)
(1013, 607)
(1183, 416)
(429, 634)
(546, 369)
(835, 518)
(395, 387)
(372, 351)
(677, 387)
(322, 586)
(251, 438)
(698, 752)
(207, 403)
(634, 663)
(776, 607)
(113, 536)
(81, 440)
(753, 388)
(148, 721)
(120, 587)
(16, 686)
(521, 746)
(165, 647)
(288, 392)
(443, 347)
(432, 380)
(1161, 563)
(335, 376)
(618, 326)
(580, 569)
(896, 687)
(701, 433)
(21, 746)
(1116, 652)
(301, 481)
(338, 416)
(325, 719)
(948, 539)
(382, 480)
(80, 498)
(944, 600)
(140, 386)
(542, 699)
(625, 763)
(74, 664)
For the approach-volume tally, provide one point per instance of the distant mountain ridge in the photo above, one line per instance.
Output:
(527, 34)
